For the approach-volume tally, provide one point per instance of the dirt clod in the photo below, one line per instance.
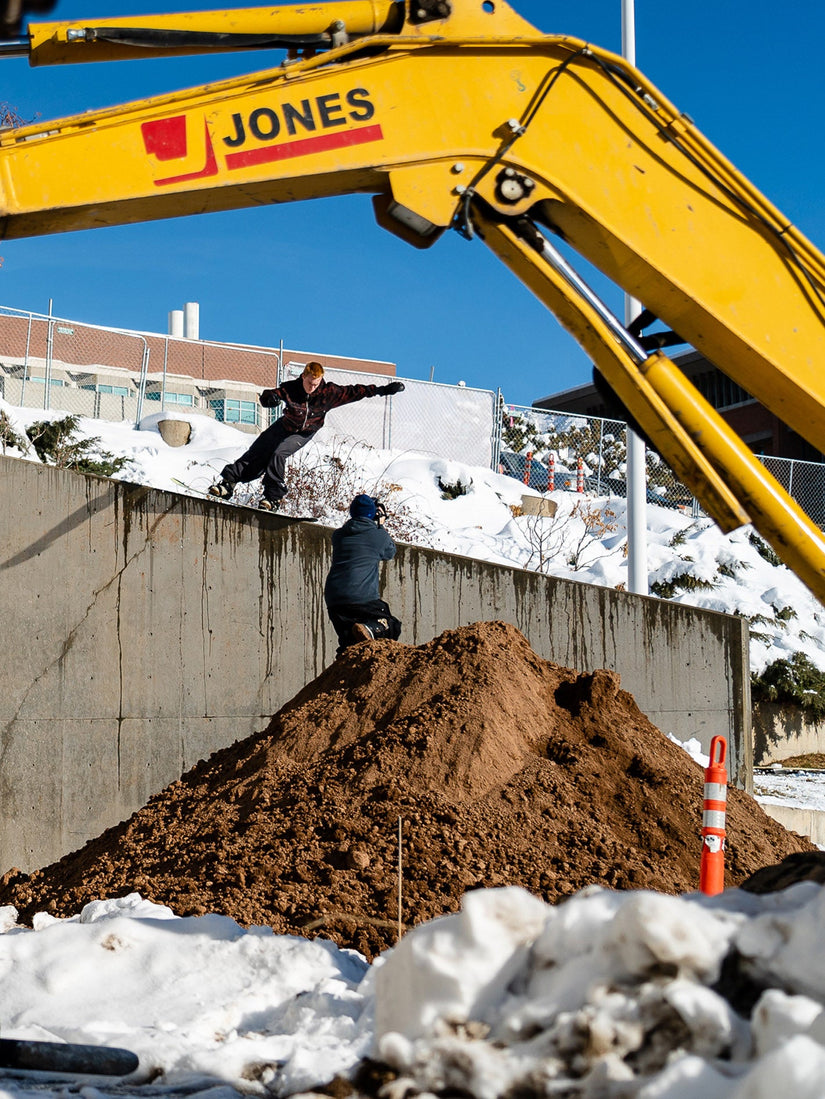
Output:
(496, 766)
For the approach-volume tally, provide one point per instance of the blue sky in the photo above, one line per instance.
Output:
(322, 276)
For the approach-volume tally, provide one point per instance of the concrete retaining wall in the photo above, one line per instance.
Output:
(143, 630)
(782, 732)
(807, 822)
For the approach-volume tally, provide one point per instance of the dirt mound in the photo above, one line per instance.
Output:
(813, 761)
(501, 767)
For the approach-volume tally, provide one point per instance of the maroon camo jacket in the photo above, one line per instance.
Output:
(305, 412)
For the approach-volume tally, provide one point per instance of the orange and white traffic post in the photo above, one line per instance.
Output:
(580, 476)
(712, 868)
(551, 473)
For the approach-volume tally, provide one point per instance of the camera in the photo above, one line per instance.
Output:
(380, 512)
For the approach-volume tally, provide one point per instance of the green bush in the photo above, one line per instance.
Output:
(451, 490)
(763, 549)
(668, 589)
(795, 682)
(9, 437)
(54, 443)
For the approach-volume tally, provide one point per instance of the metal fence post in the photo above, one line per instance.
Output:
(601, 455)
(163, 376)
(144, 368)
(498, 431)
(49, 349)
(26, 360)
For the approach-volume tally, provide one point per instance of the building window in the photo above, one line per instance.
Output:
(42, 381)
(117, 390)
(173, 398)
(235, 412)
(720, 391)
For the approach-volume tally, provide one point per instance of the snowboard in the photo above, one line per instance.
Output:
(252, 505)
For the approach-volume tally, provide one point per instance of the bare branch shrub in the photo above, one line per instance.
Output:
(323, 484)
(320, 483)
(566, 535)
(596, 523)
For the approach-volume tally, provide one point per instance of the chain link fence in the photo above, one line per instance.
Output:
(113, 374)
(558, 450)
(51, 363)
(455, 422)
(804, 481)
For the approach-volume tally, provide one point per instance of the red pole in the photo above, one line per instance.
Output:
(527, 462)
(551, 474)
(712, 868)
(580, 476)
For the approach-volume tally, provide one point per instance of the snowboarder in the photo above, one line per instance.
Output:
(306, 400)
(351, 591)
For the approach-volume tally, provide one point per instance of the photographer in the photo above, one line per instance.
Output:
(351, 591)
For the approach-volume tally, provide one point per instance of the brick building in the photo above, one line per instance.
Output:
(104, 369)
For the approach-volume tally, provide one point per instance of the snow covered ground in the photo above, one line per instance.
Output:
(609, 994)
(606, 995)
(781, 786)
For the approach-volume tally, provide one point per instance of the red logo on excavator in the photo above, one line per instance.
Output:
(165, 139)
(253, 136)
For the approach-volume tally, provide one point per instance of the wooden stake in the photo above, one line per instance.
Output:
(399, 880)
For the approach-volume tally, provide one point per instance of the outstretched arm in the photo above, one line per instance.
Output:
(270, 397)
(338, 395)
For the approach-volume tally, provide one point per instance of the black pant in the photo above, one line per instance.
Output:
(375, 614)
(267, 456)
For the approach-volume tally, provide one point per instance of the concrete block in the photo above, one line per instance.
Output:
(539, 505)
(174, 432)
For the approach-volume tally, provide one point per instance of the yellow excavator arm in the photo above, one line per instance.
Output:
(459, 114)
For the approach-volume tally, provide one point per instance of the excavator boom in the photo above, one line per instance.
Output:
(461, 115)
(308, 26)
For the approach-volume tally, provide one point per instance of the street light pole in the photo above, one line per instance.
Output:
(636, 479)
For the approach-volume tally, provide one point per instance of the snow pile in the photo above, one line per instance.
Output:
(198, 999)
(609, 994)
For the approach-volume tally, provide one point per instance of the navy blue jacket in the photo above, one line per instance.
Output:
(358, 547)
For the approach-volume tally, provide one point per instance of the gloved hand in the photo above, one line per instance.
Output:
(390, 388)
(267, 398)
